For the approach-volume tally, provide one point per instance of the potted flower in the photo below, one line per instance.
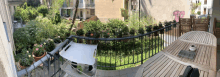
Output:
(149, 29)
(38, 52)
(161, 26)
(80, 32)
(155, 28)
(174, 23)
(24, 59)
(170, 23)
(141, 30)
(132, 31)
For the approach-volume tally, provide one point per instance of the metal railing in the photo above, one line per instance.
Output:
(111, 52)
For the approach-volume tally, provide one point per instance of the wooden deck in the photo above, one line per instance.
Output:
(167, 63)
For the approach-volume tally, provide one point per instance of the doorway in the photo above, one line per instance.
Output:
(204, 11)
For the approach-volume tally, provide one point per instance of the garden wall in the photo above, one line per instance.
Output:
(163, 10)
(108, 9)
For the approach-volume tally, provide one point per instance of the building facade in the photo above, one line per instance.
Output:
(7, 63)
(205, 8)
(86, 9)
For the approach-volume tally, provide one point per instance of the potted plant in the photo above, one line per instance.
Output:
(106, 35)
(141, 30)
(88, 34)
(49, 45)
(161, 26)
(96, 35)
(125, 31)
(174, 23)
(132, 31)
(169, 23)
(166, 24)
(149, 29)
(57, 41)
(155, 28)
(24, 59)
(38, 52)
(80, 32)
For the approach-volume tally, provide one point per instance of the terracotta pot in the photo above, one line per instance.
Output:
(38, 58)
(23, 67)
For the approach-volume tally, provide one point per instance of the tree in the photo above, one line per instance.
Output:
(74, 17)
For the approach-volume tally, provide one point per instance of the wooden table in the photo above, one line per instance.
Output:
(167, 63)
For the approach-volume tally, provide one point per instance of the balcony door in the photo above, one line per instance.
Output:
(204, 12)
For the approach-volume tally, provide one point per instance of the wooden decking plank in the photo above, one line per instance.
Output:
(176, 69)
(182, 71)
(171, 70)
(158, 74)
(153, 63)
(206, 56)
(202, 74)
(167, 70)
(172, 50)
(205, 74)
(161, 67)
(209, 56)
(154, 66)
(152, 59)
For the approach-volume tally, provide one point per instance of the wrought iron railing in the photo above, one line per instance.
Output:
(112, 53)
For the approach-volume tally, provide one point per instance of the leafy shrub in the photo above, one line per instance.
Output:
(38, 50)
(80, 32)
(199, 12)
(49, 45)
(56, 19)
(43, 10)
(25, 58)
(141, 30)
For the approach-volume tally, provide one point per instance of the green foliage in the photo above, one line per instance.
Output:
(149, 28)
(38, 50)
(155, 27)
(199, 12)
(106, 34)
(161, 25)
(56, 19)
(49, 45)
(80, 32)
(27, 13)
(24, 58)
(94, 26)
(125, 30)
(33, 3)
(124, 12)
(141, 30)
(132, 31)
(57, 40)
(43, 10)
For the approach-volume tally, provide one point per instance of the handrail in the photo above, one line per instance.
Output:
(123, 38)
(29, 69)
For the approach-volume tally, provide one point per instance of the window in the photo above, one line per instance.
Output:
(81, 1)
(6, 31)
(91, 1)
(204, 11)
(205, 1)
(92, 12)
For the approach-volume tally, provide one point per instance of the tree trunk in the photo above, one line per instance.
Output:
(74, 17)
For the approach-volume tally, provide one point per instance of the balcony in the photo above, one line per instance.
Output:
(15, 2)
(149, 54)
(91, 5)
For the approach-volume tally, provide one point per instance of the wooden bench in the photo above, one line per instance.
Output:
(167, 63)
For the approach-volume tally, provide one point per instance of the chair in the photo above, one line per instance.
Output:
(83, 55)
(185, 25)
(216, 30)
(200, 24)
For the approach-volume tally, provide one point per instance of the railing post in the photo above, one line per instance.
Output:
(141, 50)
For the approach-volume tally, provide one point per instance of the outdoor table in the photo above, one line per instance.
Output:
(167, 63)
(82, 54)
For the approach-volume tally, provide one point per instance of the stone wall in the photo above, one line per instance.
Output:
(108, 9)
(163, 10)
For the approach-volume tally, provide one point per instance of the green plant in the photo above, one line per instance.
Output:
(149, 28)
(106, 34)
(57, 39)
(88, 34)
(198, 12)
(115, 25)
(24, 58)
(38, 50)
(80, 32)
(56, 19)
(132, 31)
(96, 34)
(125, 30)
(124, 12)
(43, 10)
(155, 27)
(49, 45)
(141, 30)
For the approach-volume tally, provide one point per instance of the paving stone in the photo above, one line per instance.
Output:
(112, 72)
(101, 72)
(125, 75)
(131, 74)
(125, 71)
(135, 69)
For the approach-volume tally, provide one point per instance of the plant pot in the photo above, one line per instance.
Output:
(161, 31)
(38, 58)
(23, 67)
